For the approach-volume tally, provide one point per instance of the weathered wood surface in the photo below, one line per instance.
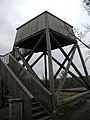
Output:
(17, 89)
(41, 94)
(31, 27)
(66, 71)
(60, 26)
(16, 109)
(39, 23)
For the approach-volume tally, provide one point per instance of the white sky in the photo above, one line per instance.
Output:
(14, 13)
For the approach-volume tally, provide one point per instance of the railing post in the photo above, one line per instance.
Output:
(16, 109)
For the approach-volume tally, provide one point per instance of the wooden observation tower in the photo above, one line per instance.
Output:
(43, 34)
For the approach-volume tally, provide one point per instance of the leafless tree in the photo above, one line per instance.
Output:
(86, 4)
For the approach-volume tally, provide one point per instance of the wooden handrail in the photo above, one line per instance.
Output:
(18, 81)
(17, 89)
(40, 93)
(37, 81)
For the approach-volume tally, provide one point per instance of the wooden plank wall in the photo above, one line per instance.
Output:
(30, 28)
(60, 26)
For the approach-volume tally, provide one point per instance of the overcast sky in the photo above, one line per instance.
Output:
(14, 13)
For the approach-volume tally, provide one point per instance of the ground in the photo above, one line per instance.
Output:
(78, 111)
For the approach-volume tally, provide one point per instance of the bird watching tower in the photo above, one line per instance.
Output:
(45, 33)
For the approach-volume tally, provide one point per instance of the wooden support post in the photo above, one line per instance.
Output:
(83, 63)
(51, 78)
(16, 109)
(50, 66)
(45, 62)
(65, 73)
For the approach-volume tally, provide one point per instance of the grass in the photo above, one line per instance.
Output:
(65, 110)
(64, 95)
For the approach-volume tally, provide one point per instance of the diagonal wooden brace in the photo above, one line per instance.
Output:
(63, 63)
(66, 72)
(35, 47)
(73, 65)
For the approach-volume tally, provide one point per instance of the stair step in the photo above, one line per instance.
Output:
(39, 114)
(33, 100)
(35, 104)
(36, 108)
(44, 118)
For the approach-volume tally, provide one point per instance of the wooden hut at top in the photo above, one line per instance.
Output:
(29, 33)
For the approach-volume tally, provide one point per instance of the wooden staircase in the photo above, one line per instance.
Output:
(38, 113)
(22, 84)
